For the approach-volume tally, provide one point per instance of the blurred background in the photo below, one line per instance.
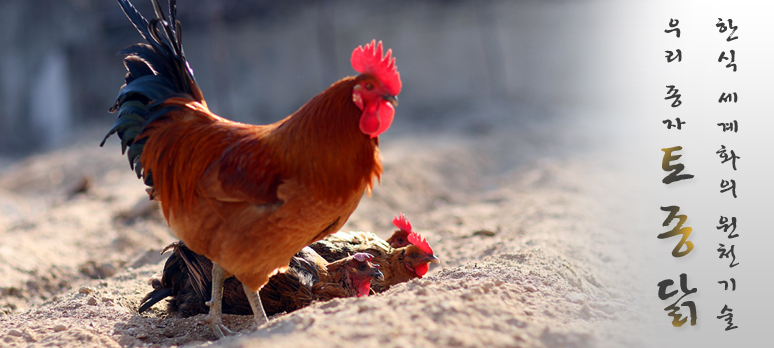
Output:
(258, 61)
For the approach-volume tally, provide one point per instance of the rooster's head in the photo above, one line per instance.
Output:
(377, 88)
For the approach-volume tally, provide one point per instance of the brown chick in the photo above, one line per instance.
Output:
(342, 244)
(187, 279)
(400, 259)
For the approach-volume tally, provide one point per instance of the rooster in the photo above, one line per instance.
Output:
(187, 277)
(403, 259)
(249, 197)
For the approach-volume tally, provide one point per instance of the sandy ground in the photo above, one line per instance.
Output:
(518, 212)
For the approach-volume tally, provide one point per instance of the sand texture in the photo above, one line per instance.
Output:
(518, 214)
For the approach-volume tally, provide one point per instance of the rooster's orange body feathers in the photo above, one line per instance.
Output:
(249, 197)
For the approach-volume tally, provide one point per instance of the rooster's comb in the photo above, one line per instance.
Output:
(402, 223)
(363, 257)
(369, 60)
(420, 242)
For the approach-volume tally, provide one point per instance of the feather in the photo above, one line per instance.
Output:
(226, 188)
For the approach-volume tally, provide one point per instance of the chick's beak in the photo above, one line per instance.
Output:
(393, 99)
(378, 274)
(433, 259)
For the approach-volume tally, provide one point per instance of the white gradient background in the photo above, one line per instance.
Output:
(632, 73)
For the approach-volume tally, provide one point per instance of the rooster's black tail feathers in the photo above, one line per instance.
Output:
(156, 71)
(183, 270)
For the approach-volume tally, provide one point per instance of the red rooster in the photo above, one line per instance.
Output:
(249, 197)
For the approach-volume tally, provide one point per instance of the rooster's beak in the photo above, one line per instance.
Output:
(392, 99)
(433, 259)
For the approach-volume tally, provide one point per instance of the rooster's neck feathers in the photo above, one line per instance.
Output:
(324, 134)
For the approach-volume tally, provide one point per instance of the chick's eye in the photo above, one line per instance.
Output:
(369, 86)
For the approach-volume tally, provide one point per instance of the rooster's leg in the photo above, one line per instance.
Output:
(215, 318)
(255, 304)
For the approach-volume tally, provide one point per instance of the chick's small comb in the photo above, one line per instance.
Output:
(402, 223)
(420, 242)
(363, 257)
(369, 60)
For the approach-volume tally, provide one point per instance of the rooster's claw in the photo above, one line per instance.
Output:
(216, 324)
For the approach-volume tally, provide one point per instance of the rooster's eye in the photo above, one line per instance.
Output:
(369, 86)
(414, 254)
(361, 267)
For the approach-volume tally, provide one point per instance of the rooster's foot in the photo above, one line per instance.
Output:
(216, 324)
